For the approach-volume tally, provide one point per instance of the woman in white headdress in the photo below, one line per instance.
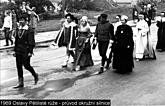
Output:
(143, 43)
(83, 56)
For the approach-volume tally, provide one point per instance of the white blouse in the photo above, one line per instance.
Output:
(7, 23)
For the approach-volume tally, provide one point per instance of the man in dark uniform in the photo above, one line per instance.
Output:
(104, 34)
(24, 45)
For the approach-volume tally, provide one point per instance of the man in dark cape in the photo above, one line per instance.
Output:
(24, 44)
(67, 37)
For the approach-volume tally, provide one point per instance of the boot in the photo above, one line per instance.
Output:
(36, 79)
(20, 83)
(107, 65)
(101, 70)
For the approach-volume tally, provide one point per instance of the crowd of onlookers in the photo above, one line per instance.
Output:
(149, 11)
(11, 19)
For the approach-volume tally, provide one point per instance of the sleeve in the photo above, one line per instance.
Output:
(111, 34)
(31, 41)
(158, 24)
(3, 24)
(10, 21)
(130, 38)
(96, 31)
(16, 38)
(145, 28)
(89, 32)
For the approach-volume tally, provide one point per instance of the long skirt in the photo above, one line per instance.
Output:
(83, 56)
(149, 50)
(123, 59)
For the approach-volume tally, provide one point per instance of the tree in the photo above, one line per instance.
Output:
(39, 4)
(76, 5)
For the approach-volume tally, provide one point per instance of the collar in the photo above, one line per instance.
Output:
(73, 24)
(26, 27)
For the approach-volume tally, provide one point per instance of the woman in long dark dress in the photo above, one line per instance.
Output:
(83, 56)
(161, 33)
(123, 48)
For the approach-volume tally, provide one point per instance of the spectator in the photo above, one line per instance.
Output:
(134, 13)
(7, 27)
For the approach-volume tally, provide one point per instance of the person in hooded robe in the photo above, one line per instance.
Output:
(144, 48)
(161, 32)
(123, 48)
(83, 57)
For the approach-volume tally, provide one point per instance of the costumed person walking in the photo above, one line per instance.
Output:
(24, 44)
(104, 35)
(123, 48)
(83, 57)
(144, 47)
(135, 14)
(7, 28)
(67, 37)
(161, 33)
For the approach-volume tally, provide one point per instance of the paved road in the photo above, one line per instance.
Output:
(145, 86)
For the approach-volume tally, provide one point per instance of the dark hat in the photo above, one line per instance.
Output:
(71, 16)
(104, 15)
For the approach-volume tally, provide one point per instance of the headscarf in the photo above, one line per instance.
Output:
(124, 17)
(84, 18)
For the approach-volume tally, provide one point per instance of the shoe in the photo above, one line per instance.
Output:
(77, 69)
(18, 86)
(20, 83)
(64, 66)
(137, 60)
(72, 62)
(101, 70)
(36, 79)
(108, 63)
(12, 43)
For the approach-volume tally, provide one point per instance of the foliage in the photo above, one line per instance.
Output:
(141, 3)
(76, 5)
(39, 4)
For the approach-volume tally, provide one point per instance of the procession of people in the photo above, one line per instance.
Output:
(118, 37)
(75, 35)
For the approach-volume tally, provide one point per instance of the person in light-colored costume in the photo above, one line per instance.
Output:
(143, 43)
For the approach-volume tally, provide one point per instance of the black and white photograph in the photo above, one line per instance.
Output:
(82, 52)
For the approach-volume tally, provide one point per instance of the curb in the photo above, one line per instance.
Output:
(37, 44)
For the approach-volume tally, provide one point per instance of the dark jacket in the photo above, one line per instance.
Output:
(104, 31)
(24, 44)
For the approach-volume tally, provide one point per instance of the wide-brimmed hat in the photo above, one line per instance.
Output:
(69, 14)
(104, 15)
